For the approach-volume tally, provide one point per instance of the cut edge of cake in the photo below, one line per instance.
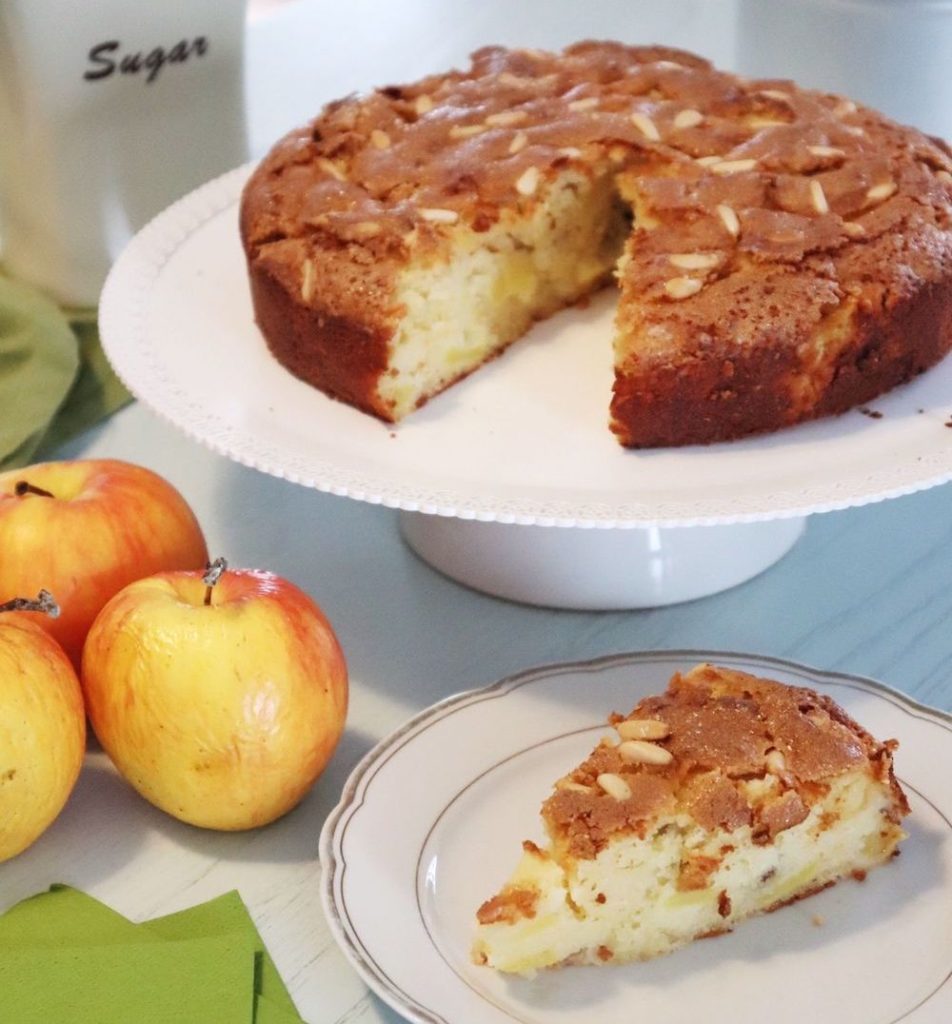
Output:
(483, 290)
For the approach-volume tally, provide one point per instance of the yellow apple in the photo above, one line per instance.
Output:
(84, 529)
(220, 704)
(42, 731)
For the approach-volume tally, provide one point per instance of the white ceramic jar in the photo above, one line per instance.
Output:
(894, 55)
(109, 111)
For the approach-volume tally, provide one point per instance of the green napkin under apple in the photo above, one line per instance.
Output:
(64, 956)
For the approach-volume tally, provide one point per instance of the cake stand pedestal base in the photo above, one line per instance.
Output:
(598, 569)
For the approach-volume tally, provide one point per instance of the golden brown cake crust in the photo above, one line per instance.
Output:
(721, 728)
(705, 398)
(337, 354)
(767, 218)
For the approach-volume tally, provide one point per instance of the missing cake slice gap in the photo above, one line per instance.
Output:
(725, 797)
(466, 305)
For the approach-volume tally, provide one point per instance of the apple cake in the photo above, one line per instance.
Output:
(780, 254)
(725, 797)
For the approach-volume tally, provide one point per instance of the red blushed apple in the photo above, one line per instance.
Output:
(42, 730)
(85, 529)
(221, 705)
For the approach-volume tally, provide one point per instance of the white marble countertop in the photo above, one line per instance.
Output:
(865, 591)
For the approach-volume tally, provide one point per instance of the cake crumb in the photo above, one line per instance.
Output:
(723, 904)
(873, 414)
(818, 920)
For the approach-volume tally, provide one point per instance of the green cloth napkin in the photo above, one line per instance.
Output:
(192, 981)
(55, 380)
(62, 917)
(227, 913)
(65, 940)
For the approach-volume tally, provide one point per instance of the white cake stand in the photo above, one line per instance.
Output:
(574, 567)
(510, 482)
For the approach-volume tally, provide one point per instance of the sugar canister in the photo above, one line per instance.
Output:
(109, 111)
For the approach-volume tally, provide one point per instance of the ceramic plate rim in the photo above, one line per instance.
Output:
(349, 805)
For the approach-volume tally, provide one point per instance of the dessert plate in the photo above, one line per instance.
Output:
(524, 440)
(430, 824)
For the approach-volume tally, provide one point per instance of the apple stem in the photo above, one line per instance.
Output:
(213, 573)
(22, 487)
(44, 602)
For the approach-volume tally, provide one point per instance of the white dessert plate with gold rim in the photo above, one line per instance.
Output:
(523, 441)
(431, 820)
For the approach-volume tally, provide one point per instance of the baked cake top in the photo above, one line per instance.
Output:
(727, 748)
(732, 180)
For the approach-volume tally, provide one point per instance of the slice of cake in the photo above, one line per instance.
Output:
(726, 797)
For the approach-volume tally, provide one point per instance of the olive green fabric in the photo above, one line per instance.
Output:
(55, 380)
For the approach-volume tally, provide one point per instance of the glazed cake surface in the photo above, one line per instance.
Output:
(725, 797)
(780, 254)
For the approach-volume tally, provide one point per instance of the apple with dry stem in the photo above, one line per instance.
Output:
(42, 725)
(219, 696)
(84, 529)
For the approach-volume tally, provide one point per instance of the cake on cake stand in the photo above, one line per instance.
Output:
(510, 482)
